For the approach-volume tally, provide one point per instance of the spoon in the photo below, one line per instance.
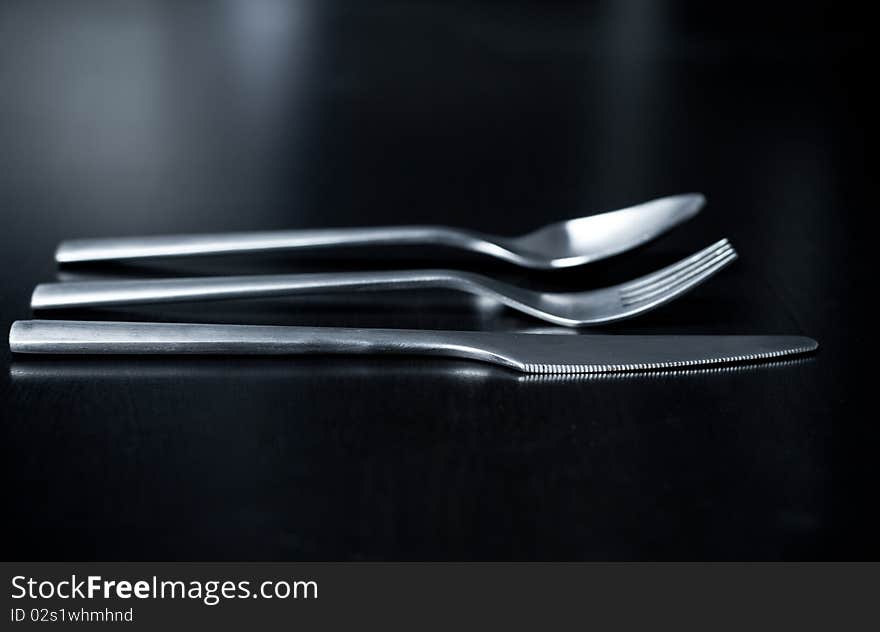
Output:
(559, 245)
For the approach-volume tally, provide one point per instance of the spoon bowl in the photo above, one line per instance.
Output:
(586, 239)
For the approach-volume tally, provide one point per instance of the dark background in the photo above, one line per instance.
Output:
(121, 118)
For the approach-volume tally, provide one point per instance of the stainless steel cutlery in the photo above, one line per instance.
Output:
(529, 353)
(562, 308)
(560, 245)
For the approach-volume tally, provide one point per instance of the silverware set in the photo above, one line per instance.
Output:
(560, 245)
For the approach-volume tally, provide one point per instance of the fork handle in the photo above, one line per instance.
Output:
(128, 248)
(136, 292)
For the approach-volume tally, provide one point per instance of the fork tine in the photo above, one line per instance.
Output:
(681, 278)
(698, 278)
(682, 285)
(671, 279)
(657, 275)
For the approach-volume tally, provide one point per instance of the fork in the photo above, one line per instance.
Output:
(559, 245)
(572, 309)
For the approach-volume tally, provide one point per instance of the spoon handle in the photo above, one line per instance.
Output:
(129, 248)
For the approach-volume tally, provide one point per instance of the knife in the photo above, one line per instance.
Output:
(529, 353)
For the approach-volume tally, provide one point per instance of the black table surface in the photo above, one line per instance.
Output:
(161, 117)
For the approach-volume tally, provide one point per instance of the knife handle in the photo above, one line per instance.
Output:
(125, 338)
